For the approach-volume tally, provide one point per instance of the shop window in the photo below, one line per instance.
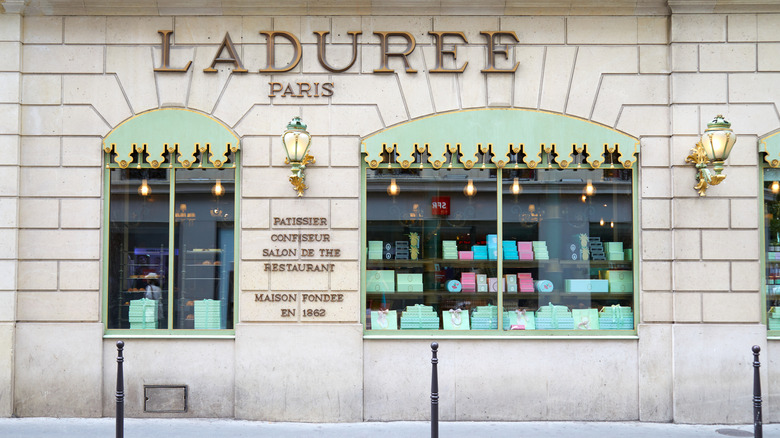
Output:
(772, 245)
(170, 233)
(522, 241)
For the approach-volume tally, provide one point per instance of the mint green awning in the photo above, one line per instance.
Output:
(465, 134)
(770, 145)
(171, 130)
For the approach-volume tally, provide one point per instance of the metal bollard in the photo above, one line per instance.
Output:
(434, 392)
(120, 392)
(757, 423)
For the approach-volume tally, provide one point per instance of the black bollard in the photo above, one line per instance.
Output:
(757, 423)
(434, 392)
(120, 392)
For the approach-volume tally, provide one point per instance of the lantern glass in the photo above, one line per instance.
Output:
(718, 139)
(296, 143)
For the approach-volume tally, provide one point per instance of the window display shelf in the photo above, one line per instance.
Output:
(536, 296)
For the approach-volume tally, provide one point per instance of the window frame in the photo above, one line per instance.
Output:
(499, 333)
(174, 166)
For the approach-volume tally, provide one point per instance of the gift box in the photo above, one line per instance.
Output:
(480, 252)
(540, 250)
(482, 284)
(384, 320)
(525, 282)
(466, 255)
(453, 286)
(585, 319)
(616, 317)
(142, 314)
(493, 284)
(449, 249)
(207, 314)
(375, 250)
(554, 317)
(455, 319)
(405, 282)
(380, 281)
(585, 286)
(544, 286)
(484, 318)
(468, 281)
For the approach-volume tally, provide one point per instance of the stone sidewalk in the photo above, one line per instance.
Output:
(219, 428)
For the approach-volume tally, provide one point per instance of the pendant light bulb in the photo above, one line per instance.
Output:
(589, 189)
(144, 189)
(775, 187)
(217, 189)
(393, 189)
(516, 189)
(470, 190)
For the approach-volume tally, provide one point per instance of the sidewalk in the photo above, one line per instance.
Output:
(219, 428)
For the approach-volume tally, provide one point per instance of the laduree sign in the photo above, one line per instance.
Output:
(445, 43)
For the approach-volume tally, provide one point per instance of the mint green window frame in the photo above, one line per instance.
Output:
(173, 140)
(500, 141)
(769, 151)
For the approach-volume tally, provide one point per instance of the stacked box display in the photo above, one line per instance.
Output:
(525, 251)
(619, 280)
(380, 281)
(616, 317)
(596, 248)
(525, 282)
(401, 250)
(492, 246)
(419, 316)
(511, 283)
(482, 284)
(409, 283)
(509, 248)
(480, 252)
(552, 317)
(375, 249)
(207, 314)
(484, 318)
(614, 250)
(388, 252)
(142, 314)
(449, 249)
(540, 250)
(468, 281)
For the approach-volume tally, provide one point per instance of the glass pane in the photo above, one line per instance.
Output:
(138, 248)
(203, 236)
(772, 243)
(567, 241)
(432, 249)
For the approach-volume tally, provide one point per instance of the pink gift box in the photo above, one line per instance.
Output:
(466, 255)
(524, 247)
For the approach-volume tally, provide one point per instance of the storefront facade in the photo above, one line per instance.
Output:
(514, 176)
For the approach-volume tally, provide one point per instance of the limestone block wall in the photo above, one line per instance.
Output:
(10, 80)
(712, 247)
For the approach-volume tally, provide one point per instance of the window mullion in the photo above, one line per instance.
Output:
(171, 242)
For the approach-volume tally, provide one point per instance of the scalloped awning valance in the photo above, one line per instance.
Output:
(501, 132)
(171, 130)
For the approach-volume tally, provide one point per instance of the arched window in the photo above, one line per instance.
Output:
(170, 226)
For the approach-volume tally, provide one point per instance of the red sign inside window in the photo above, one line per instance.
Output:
(440, 205)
